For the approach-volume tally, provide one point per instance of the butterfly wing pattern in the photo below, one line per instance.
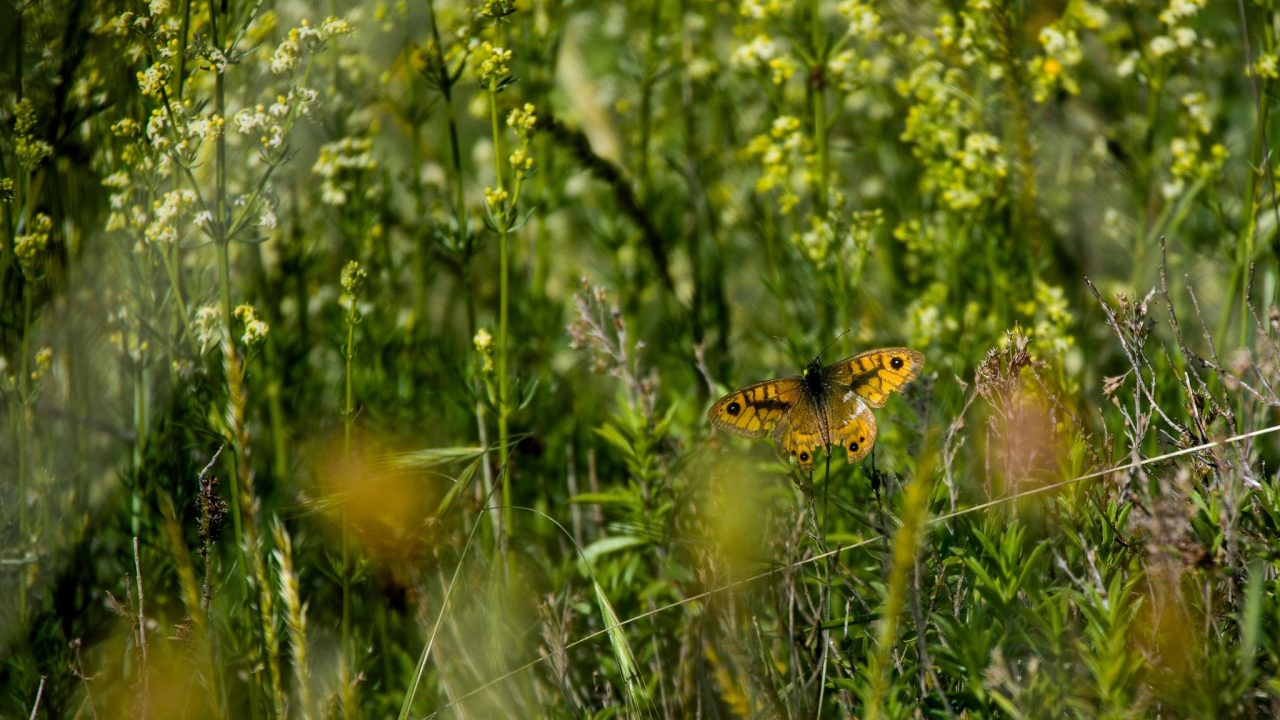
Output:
(755, 410)
(825, 406)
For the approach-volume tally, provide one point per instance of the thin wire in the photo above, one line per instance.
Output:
(854, 546)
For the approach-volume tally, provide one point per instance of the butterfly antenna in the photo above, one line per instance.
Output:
(795, 352)
(833, 342)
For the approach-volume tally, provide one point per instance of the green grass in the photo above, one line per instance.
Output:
(357, 366)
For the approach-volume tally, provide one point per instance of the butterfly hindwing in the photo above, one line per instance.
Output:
(853, 427)
(755, 410)
(801, 433)
(874, 374)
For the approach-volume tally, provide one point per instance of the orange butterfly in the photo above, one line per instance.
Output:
(820, 407)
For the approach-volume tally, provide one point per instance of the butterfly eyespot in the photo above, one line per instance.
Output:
(733, 408)
(895, 362)
(804, 457)
(861, 439)
(853, 447)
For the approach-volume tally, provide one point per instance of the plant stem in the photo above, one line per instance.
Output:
(818, 96)
(348, 411)
(504, 385)
(23, 425)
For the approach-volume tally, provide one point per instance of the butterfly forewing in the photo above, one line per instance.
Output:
(874, 374)
(755, 410)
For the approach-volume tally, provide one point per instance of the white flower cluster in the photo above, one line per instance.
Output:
(338, 165)
(164, 228)
(305, 38)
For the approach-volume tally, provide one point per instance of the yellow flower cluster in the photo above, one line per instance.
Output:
(1061, 52)
(255, 330)
(522, 120)
(352, 281)
(31, 247)
(782, 152)
(30, 150)
(495, 66)
(1189, 162)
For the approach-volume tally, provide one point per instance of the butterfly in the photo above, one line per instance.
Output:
(820, 407)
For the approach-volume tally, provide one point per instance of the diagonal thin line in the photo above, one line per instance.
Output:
(853, 546)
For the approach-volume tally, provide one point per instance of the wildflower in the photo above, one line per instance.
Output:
(206, 127)
(495, 9)
(153, 79)
(495, 67)
(132, 346)
(1198, 111)
(521, 161)
(126, 128)
(522, 119)
(782, 69)
(31, 151)
(495, 198)
(207, 326)
(216, 59)
(762, 9)
(249, 121)
(285, 57)
(1127, 65)
(44, 360)
(335, 27)
(166, 212)
(1265, 66)
(1161, 45)
(24, 117)
(759, 51)
(782, 151)
(352, 281)
(483, 341)
(846, 71)
(340, 165)
(304, 98)
(255, 330)
(1180, 10)
(816, 243)
(864, 21)
(31, 247)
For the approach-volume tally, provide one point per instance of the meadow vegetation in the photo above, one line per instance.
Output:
(354, 358)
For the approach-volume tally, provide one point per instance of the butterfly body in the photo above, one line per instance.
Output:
(820, 407)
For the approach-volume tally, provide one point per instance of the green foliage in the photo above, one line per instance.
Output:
(357, 366)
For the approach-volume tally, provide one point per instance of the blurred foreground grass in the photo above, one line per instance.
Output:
(354, 361)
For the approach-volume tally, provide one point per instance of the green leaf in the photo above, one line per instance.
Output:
(433, 457)
(613, 544)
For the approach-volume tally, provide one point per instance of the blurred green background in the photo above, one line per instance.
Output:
(354, 358)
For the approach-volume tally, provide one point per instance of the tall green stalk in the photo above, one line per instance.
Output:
(818, 98)
(353, 277)
(504, 383)
(23, 444)
(906, 544)
(244, 509)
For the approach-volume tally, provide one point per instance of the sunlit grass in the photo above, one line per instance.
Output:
(357, 366)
